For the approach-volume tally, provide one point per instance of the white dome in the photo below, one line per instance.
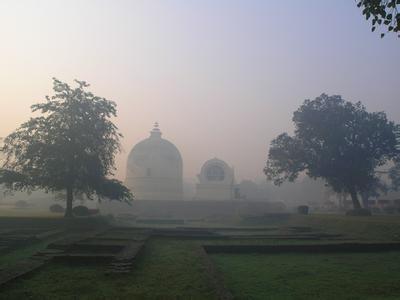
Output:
(216, 181)
(154, 169)
(216, 171)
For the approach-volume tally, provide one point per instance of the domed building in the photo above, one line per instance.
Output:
(216, 181)
(154, 169)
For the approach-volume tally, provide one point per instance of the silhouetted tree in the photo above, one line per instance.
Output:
(70, 147)
(394, 172)
(382, 13)
(335, 140)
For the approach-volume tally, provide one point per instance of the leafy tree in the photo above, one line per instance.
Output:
(382, 13)
(394, 175)
(69, 147)
(335, 140)
(394, 172)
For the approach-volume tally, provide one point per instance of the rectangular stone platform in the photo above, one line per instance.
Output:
(304, 248)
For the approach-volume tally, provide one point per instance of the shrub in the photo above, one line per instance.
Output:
(56, 208)
(303, 209)
(81, 211)
(359, 212)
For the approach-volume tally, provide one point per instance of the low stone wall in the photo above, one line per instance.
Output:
(309, 248)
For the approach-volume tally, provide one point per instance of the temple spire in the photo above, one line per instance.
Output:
(156, 130)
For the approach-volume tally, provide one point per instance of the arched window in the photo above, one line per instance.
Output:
(215, 173)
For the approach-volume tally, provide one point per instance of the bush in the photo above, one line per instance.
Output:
(21, 204)
(56, 208)
(359, 212)
(303, 209)
(81, 211)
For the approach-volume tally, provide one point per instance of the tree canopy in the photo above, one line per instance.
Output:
(69, 147)
(382, 13)
(394, 172)
(337, 141)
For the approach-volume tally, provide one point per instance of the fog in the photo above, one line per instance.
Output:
(199, 149)
(222, 79)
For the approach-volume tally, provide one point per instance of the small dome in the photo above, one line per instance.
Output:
(216, 181)
(154, 169)
(216, 171)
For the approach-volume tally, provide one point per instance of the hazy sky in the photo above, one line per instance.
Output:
(221, 77)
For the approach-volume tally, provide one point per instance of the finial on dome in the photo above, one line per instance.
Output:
(156, 130)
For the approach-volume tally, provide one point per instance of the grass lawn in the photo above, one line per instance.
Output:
(377, 227)
(171, 268)
(13, 257)
(316, 276)
(168, 269)
(12, 211)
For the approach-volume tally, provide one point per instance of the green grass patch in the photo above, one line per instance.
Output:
(171, 268)
(167, 269)
(311, 276)
(12, 211)
(13, 257)
(361, 228)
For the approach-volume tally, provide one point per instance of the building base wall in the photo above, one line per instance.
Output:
(214, 192)
(190, 209)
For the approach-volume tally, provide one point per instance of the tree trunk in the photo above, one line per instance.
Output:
(364, 198)
(342, 198)
(70, 198)
(354, 198)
